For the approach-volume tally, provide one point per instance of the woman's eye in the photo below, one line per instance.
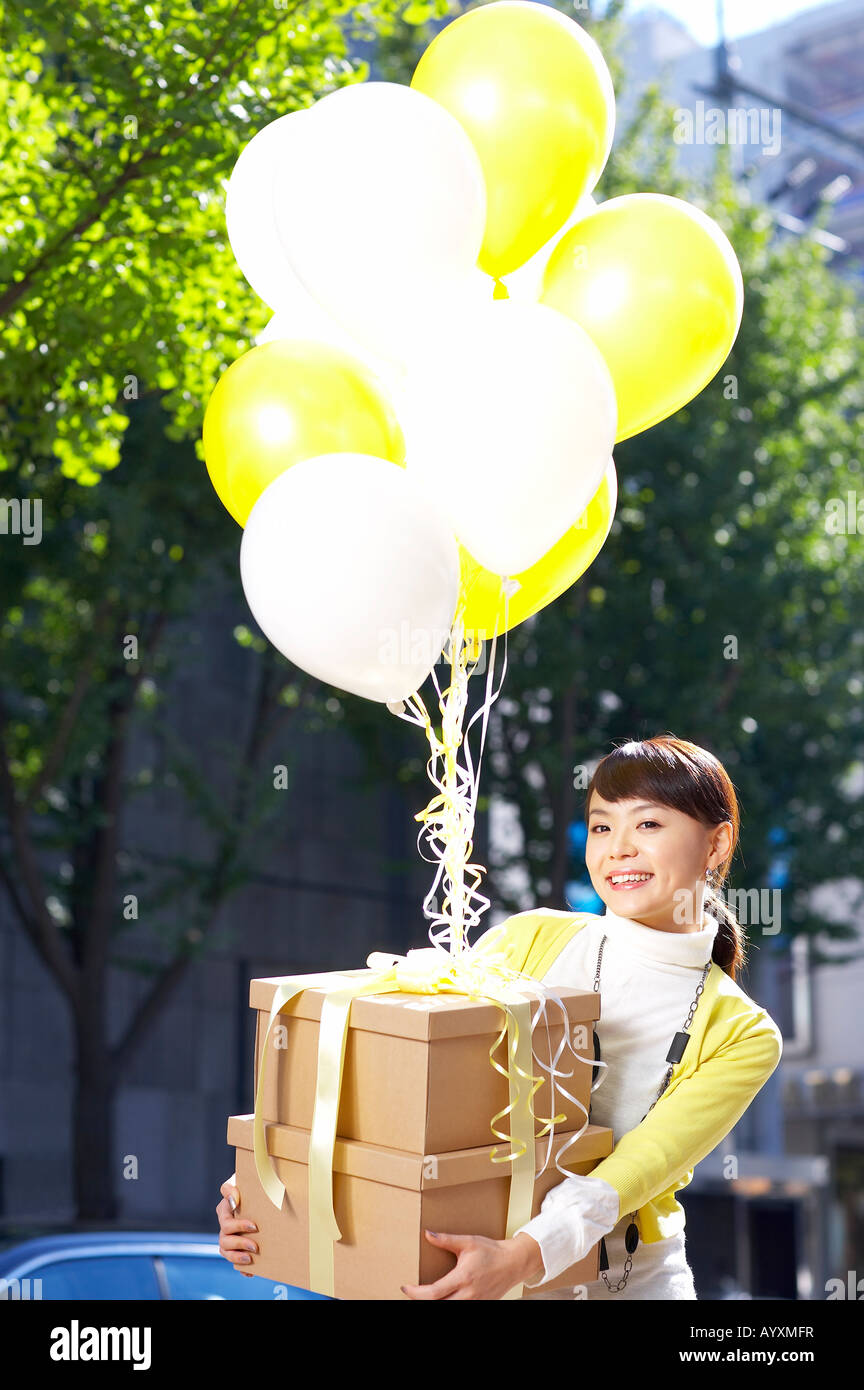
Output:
(598, 826)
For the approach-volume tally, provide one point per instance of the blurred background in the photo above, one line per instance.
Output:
(183, 810)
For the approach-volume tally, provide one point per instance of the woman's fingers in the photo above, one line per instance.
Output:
(229, 1226)
(449, 1284)
(228, 1221)
(236, 1237)
(231, 1192)
(235, 1244)
(238, 1250)
(225, 1213)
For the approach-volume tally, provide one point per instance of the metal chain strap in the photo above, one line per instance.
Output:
(634, 1238)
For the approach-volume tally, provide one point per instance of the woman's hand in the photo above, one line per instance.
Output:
(485, 1268)
(234, 1244)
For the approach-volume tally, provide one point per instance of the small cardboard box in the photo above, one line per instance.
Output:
(384, 1199)
(417, 1072)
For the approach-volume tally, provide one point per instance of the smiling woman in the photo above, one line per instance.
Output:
(685, 1049)
(663, 822)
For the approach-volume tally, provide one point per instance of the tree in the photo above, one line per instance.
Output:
(121, 303)
(115, 270)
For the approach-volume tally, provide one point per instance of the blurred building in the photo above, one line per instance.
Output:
(809, 66)
(787, 1215)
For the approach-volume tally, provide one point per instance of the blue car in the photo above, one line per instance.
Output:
(130, 1265)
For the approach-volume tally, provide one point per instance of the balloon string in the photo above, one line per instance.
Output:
(448, 820)
(447, 829)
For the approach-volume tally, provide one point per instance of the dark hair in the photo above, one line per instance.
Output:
(673, 772)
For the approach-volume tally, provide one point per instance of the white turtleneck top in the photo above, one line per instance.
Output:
(648, 980)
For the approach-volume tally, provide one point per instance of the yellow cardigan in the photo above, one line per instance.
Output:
(734, 1048)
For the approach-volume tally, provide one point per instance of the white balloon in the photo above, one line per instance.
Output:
(352, 573)
(526, 281)
(309, 321)
(301, 316)
(381, 209)
(509, 416)
(286, 324)
(251, 221)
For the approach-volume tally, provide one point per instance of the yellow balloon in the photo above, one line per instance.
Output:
(554, 572)
(533, 91)
(288, 400)
(481, 592)
(657, 285)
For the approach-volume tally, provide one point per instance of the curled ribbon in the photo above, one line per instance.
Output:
(448, 819)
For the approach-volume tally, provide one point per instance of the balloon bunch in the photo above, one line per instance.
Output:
(421, 443)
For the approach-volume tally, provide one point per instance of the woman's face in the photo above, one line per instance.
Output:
(668, 852)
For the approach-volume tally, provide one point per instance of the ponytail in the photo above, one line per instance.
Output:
(730, 941)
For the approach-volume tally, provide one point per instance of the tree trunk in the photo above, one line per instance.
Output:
(95, 1163)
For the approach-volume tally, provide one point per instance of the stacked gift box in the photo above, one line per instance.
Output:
(414, 1147)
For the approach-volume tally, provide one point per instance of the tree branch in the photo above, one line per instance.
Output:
(17, 901)
(18, 288)
(70, 714)
(148, 1010)
(46, 937)
(167, 981)
(106, 840)
(132, 168)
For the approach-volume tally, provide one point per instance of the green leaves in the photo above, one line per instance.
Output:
(114, 264)
(418, 13)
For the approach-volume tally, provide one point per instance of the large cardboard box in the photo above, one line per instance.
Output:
(417, 1072)
(384, 1199)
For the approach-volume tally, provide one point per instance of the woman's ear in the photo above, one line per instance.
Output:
(721, 844)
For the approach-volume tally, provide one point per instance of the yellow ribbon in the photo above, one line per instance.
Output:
(424, 971)
(448, 819)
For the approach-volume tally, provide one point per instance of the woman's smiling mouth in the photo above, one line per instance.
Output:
(628, 882)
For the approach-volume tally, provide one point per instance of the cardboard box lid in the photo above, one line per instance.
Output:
(397, 1168)
(421, 1016)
